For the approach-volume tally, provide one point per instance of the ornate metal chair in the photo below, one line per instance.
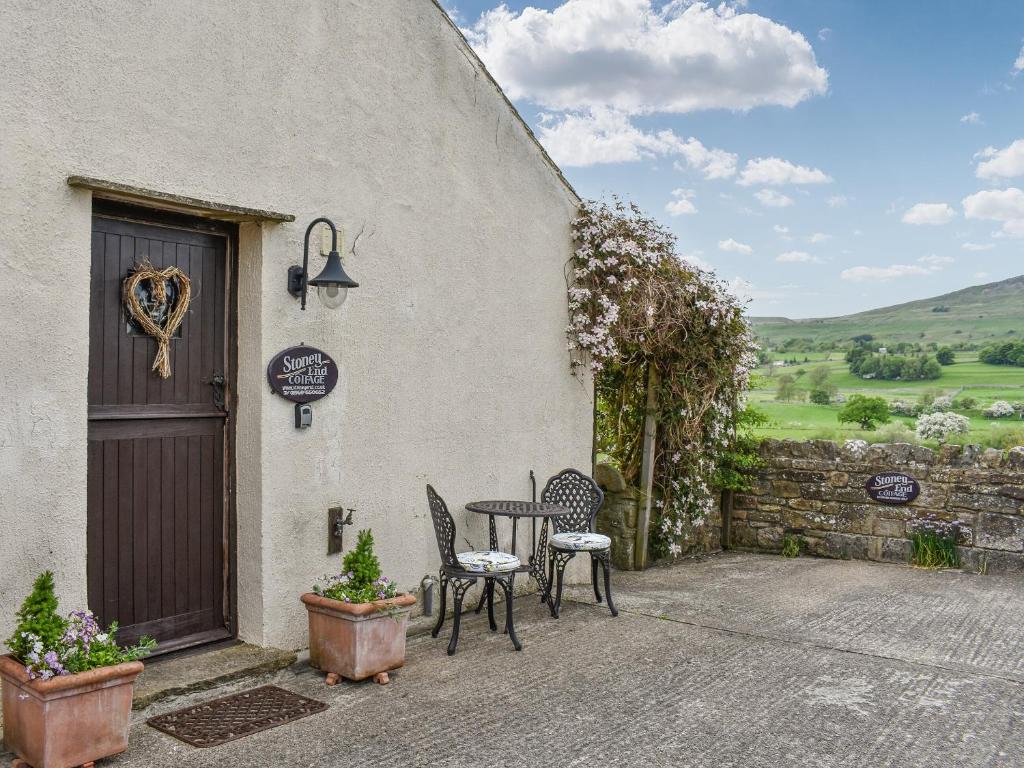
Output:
(462, 570)
(575, 533)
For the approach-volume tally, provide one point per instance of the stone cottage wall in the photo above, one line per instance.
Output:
(818, 487)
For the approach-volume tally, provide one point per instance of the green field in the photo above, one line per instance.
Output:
(970, 316)
(965, 320)
(966, 378)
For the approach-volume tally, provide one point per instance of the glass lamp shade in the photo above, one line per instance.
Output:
(332, 283)
(332, 296)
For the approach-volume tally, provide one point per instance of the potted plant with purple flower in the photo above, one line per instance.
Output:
(357, 619)
(67, 686)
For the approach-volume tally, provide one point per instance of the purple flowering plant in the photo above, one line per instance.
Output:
(360, 580)
(933, 542)
(50, 645)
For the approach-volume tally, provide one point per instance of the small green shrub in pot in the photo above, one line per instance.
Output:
(67, 685)
(360, 580)
(357, 619)
(50, 645)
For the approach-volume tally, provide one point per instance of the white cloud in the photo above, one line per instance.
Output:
(732, 246)
(639, 57)
(980, 275)
(745, 291)
(995, 204)
(972, 118)
(1001, 163)
(682, 202)
(1002, 205)
(742, 289)
(775, 171)
(604, 136)
(579, 140)
(881, 274)
(713, 163)
(837, 201)
(1013, 228)
(936, 263)
(452, 11)
(796, 257)
(780, 229)
(929, 213)
(1018, 65)
(695, 258)
(819, 237)
(926, 265)
(978, 246)
(769, 198)
(824, 34)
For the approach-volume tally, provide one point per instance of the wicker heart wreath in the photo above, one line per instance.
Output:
(158, 279)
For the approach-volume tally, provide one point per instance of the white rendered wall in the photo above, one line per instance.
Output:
(452, 352)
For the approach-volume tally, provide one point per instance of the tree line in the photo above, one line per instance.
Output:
(1007, 353)
(872, 365)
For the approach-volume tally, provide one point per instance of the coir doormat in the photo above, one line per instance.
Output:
(232, 717)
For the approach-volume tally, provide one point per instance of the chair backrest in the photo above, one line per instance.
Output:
(571, 488)
(444, 527)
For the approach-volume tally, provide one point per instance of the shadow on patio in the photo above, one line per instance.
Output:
(732, 660)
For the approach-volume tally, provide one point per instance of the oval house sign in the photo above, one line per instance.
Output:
(892, 487)
(302, 374)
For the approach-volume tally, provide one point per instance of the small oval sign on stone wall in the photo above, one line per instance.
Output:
(892, 487)
(302, 374)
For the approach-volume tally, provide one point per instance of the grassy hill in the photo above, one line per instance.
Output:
(972, 315)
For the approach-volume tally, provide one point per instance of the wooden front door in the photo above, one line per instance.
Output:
(158, 464)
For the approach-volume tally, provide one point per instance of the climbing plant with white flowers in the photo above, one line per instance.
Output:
(633, 305)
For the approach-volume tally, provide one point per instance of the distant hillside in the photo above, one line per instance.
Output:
(972, 315)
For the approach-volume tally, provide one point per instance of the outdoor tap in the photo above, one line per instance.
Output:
(427, 585)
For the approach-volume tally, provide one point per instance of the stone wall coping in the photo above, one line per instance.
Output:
(956, 456)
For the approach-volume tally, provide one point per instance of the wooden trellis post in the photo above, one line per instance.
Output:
(647, 467)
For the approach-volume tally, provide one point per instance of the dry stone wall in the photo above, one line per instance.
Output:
(816, 489)
(621, 510)
(618, 515)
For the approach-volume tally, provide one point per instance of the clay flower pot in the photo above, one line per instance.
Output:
(69, 720)
(357, 641)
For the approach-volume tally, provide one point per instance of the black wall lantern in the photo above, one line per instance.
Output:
(332, 283)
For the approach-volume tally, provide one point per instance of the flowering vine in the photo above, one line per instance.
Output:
(634, 306)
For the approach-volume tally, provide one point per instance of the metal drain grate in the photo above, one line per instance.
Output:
(232, 717)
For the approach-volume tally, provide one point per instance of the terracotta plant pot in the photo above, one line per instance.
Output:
(70, 720)
(357, 641)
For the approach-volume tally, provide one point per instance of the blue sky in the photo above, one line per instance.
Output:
(824, 156)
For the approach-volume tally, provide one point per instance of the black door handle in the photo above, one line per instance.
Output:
(218, 382)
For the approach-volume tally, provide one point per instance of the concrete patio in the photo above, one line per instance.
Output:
(733, 660)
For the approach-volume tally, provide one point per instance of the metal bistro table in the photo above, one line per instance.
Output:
(516, 510)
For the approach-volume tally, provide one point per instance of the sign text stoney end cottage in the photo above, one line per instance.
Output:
(302, 374)
(892, 488)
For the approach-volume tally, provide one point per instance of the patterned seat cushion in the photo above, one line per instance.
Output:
(487, 562)
(580, 541)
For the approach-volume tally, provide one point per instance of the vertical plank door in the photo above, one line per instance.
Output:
(157, 459)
